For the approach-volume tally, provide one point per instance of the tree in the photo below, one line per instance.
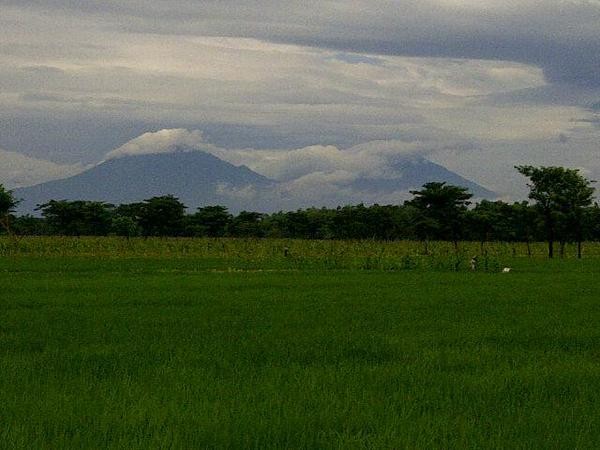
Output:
(561, 196)
(125, 226)
(592, 223)
(247, 224)
(77, 218)
(209, 221)
(524, 223)
(7, 206)
(162, 216)
(441, 209)
(28, 225)
(489, 221)
(351, 222)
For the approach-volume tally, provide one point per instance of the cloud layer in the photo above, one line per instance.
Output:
(162, 141)
(309, 89)
(537, 32)
(17, 170)
(372, 159)
(314, 175)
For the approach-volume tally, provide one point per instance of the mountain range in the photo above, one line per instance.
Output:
(196, 178)
(199, 178)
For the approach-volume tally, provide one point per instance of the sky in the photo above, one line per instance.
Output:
(477, 86)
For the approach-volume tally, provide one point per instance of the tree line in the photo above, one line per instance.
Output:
(562, 211)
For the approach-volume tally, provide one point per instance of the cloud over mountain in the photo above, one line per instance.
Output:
(17, 170)
(317, 79)
(181, 162)
(374, 159)
(162, 141)
(318, 174)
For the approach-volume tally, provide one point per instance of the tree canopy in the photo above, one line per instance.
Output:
(7, 206)
(441, 207)
(561, 210)
(561, 194)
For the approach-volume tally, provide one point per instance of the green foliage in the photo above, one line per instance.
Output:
(561, 195)
(247, 224)
(7, 206)
(437, 212)
(441, 210)
(311, 223)
(124, 226)
(162, 216)
(77, 218)
(7, 201)
(29, 225)
(491, 221)
(211, 221)
(267, 254)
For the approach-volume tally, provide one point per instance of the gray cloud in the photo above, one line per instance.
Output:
(503, 78)
(314, 175)
(561, 36)
(17, 170)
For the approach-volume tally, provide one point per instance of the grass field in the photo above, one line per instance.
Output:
(154, 346)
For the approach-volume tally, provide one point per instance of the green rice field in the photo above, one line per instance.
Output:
(200, 343)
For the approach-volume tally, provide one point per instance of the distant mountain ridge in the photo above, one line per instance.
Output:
(412, 173)
(199, 178)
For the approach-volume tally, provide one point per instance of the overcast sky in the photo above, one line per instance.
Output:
(476, 85)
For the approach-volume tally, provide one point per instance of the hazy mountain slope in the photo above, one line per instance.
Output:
(412, 173)
(197, 178)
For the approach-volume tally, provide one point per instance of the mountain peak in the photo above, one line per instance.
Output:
(316, 176)
(197, 178)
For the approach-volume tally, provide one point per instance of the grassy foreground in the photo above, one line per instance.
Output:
(162, 352)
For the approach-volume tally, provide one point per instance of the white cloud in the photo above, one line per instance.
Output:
(371, 159)
(479, 163)
(409, 76)
(313, 175)
(162, 141)
(17, 170)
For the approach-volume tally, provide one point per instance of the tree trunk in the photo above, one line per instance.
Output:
(550, 231)
(579, 239)
(528, 248)
(562, 249)
(5, 223)
(550, 242)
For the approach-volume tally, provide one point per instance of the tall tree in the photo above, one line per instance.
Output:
(7, 206)
(209, 221)
(441, 209)
(162, 216)
(524, 223)
(490, 221)
(561, 196)
(247, 224)
(77, 218)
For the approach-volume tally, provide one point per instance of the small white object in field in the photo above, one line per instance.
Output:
(506, 270)
(474, 263)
